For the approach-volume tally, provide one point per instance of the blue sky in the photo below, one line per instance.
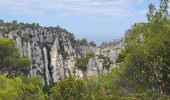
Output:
(97, 20)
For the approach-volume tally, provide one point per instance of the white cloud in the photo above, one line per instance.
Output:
(87, 8)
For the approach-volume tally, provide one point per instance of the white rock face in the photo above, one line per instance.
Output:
(94, 67)
(112, 50)
(56, 62)
(54, 54)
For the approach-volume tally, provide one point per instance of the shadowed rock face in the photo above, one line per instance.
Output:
(54, 52)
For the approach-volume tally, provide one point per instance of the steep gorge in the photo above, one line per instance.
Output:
(54, 51)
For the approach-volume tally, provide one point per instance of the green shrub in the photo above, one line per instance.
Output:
(104, 87)
(106, 61)
(24, 89)
(145, 58)
(92, 43)
(68, 89)
(10, 61)
(83, 61)
(22, 64)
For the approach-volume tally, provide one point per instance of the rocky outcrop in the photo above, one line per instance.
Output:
(54, 53)
(112, 49)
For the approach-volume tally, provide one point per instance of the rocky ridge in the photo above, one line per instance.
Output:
(54, 51)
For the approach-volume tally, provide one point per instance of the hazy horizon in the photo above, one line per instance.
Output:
(97, 20)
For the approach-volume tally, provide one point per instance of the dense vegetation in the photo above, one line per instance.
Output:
(84, 42)
(143, 73)
(146, 57)
(21, 88)
(10, 61)
(83, 61)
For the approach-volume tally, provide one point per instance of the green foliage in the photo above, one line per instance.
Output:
(105, 87)
(8, 55)
(121, 56)
(14, 25)
(83, 61)
(92, 43)
(156, 51)
(16, 88)
(90, 88)
(68, 89)
(146, 55)
(133, 63)
(144, 71)
(81, 42)
(141, 92)
(106, 61)
(10, 61)
(157, 48)
(84, 42)
(23, 65)
(161, 14)
(136, 32)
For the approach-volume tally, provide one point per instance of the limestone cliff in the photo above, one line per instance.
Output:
(54, 51)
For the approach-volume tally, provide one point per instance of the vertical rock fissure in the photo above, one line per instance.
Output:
(44, 70)
(49, 62)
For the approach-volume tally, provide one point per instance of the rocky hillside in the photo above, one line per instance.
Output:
(54, 51)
